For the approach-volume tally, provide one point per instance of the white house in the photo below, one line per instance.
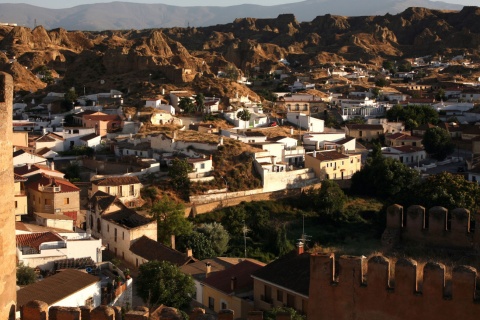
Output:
(245, 136)
(68, 288)
(257, 119)
(408, 155)
(91, 140)
(22, 157)
(50, 140)
(41, 249)
(157, 104)
(306, 122)
(184, 140)
(73, 135)
(315, 141)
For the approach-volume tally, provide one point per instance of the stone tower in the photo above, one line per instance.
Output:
(8, 292)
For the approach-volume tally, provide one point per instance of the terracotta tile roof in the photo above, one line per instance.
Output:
(56, 287)
(127, 218)
(22, 151)
(242, 272)
(153, 250)
(102, 117)
(34, 240)
(50, 137)
(401, 136)
(23, 170)
(330, 155)
(343, 141)
(48, 181)
(291, 271)
(407, 149)
(198, 269)
(116, 181)
(53, 216)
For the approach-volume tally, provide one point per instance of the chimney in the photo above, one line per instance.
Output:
(291, 131)
(317, 145)
(233, 283)
(209, 269)
(314, 154)
(189, 253)
(52, 165)
(300, 247)
(29, 166)
(172, 241)
(273, 160)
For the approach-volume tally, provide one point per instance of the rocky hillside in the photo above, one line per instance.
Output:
(142, 61)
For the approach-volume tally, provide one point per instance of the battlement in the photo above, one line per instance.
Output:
(437, 226)
(39, 310)
(379, 288)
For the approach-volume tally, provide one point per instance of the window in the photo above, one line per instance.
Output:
(108, 189)
(115, 235)
(268, 294)
(360, 133)
(132, 190)
(66, 200)
(223, 305)
(211, 303)
(120, 188)
(290, 300)
(89, 302)
(16, 204)
(280, 295)
(202, 166)
(123, 235)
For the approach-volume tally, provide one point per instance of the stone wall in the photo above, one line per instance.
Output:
(354, 288)
(437, 226)
(7, 211)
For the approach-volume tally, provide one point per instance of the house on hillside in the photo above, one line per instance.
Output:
(50, 140)
(284, 282)
(68, 288)
(365, 132)
(117, 225)
(245, 136)
(20, 200)
(333, 165)
(402, 139)
(232, 288)
(125, 188)
(102, 123)
(407, 154)
(73, 136)
(53, 195)
(22, 157)
(306, 122)
(145, 249)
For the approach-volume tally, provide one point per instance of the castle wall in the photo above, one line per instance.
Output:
(7, 210)
(354, 288)
(437, 226)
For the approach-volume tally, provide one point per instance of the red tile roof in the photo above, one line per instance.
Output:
(241, 272)
(34, 240)
(55, 288)
(330, 155)
(48, 181)
(116, 181)
(153, 250)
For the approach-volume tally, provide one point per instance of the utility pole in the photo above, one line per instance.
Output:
(245, 230)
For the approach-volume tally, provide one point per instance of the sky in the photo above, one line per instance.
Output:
(56, 4)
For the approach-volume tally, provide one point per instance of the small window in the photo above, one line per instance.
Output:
(280, 295)
(123, 235)
(211, 303)
(224, 305)
(66, 201)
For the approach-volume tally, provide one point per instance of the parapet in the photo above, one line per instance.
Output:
(39, 310)
(389, 289)
(437, 226)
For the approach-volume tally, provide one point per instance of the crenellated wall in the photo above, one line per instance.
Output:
(38, 310)
(355, 288)
(437, 226)
(7, 211)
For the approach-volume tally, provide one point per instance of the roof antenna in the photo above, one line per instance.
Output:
(305, 237)
(245, 230)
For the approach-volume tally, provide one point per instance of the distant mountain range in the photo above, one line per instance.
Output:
(125, 15)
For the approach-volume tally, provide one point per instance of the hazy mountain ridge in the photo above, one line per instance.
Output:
(125, 15)
(124, 58)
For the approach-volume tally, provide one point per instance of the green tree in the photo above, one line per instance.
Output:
(438, 143)
(187, 105)
(383, 177)
(170, 217)
(164, 283)
(244, 115)
(178, 173)
(70, 97)
(46, 74)
(25, 275)
(292, 313)
(217, 235)
(199, 243)
(444, 189)
(413, 115)
(328, 200)
(440, 94)
(199, 102)
(381, 82)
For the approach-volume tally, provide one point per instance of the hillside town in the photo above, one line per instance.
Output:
(286, 192)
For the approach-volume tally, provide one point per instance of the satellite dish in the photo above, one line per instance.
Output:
(102, 81)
